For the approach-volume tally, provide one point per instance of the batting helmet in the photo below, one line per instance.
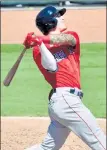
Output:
(46, 19)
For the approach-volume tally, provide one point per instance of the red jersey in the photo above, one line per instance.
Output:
(68, 61)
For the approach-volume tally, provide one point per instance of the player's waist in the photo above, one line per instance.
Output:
(76, 91)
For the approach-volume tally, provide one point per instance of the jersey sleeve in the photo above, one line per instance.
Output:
(37, 57)
(35, 52)
(77, 46)
(37, 60)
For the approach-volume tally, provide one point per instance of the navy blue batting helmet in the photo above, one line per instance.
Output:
(46, 19)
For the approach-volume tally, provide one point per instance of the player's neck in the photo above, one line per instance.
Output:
(57, 31)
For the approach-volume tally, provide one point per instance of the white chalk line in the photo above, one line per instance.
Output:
(37, 118)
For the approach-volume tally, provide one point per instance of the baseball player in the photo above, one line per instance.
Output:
(57, 55)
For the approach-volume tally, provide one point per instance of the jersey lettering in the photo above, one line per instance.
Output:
(59, 55)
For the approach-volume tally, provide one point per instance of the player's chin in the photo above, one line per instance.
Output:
(63, 29)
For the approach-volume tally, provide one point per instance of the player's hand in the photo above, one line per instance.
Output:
(28, 43)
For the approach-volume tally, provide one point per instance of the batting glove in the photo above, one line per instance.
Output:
(28, 40)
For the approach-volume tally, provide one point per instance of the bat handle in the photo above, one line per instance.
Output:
(22, 53)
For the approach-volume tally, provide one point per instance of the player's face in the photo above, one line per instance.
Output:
(61, 23)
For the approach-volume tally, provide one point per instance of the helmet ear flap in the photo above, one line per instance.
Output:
(46, 25)
(53, 23)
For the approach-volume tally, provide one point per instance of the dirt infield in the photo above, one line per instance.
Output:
(16, 134)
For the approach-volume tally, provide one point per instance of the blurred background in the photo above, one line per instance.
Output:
(34, 3)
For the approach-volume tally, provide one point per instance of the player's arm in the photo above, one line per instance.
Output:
(63, 39)
(47, 59)
(59, 39)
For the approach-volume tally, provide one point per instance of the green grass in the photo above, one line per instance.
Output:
(28, 92)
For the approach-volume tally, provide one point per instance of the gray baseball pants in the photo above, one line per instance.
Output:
(68, 113)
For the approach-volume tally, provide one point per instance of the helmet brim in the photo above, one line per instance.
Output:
(62, 11)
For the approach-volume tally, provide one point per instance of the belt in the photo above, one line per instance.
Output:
(74, 91)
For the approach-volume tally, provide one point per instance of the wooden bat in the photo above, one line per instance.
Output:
(13, 70)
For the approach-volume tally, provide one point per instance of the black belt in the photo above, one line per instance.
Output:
(79, 93)
(72, 91)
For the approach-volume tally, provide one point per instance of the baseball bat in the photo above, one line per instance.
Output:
(14, 68)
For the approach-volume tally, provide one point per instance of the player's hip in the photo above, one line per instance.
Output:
(62, 98)
(63, 103)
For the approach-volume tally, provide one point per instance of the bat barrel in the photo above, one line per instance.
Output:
(13, 70)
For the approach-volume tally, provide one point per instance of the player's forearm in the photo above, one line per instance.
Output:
(60, 39)
(47, 59)
(63, 39)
